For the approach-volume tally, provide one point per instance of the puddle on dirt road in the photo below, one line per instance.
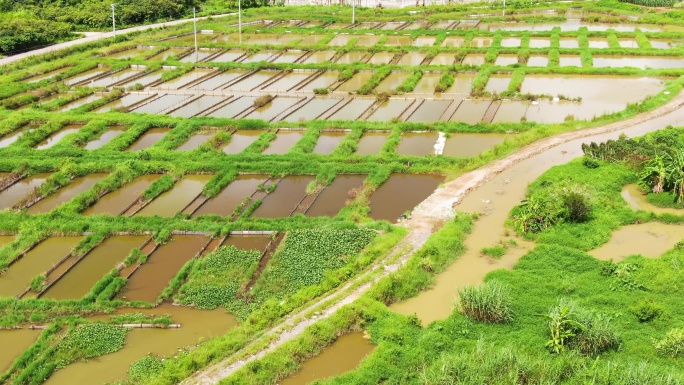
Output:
(231, 196)
(148, 281)
(83, 276)
(57, 136)
(197, 326)
(65, 193)
(494, 200)
(149, 138)
(401, 193)
(14, 343)
(115, 202)
(241, 139)
(334, 197)
(648, 239)
(282, 201)
(283, 142)
(180, 195)
(637, 200)
(341, 356)
(37, 261)
(417, 143)
(328, 141)
(467, 145)
(15, 193)
(106, 137)
(371, 143)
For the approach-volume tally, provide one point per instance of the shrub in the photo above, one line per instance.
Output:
(576, 204)
(647, 310)
(321, 91)
(490, 302)
(144, 368)
(263, 100)
(497, 251)
(673, 343)
(573, 327)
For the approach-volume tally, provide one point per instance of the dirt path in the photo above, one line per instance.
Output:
(91, 37)
(435, 209)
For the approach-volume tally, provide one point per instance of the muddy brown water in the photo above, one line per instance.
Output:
(195, 141)
(231, 196)
(355, 82)
(241, 139)
(106, 137)
(46, 75)
(341, 356)
(35, 262)
(282, 201)
(401, 193)
(127, 54)
(248, 242)
(494, 200)
(259, 56)
(5, 240)
(648, 239)
(312, 110)
(229, 56)
(353, 110)
(197, 106)
(14, 343)
(219, 80)
(154, 275)
(114, 78)
(442, 59)
(417, 143)
(124, 102)
(289, 57)
(430, 111)
(642, 62)
(163, 55)
(328, 141)
(161, 104)
(198, 56)
(253, 81)
(15, 193)
(537, 61)
(628, 43)
(470, 111)
(283, 142)
(540, 42)
(180, 195)
(83, 76)
(392, 81)
(452, 41)
(334, 197)
(371, 143)
(506, 60)
(197, 326)
(66, 193)
(510, 42)
(381, 58)
(81, 102)
(637, 201)
(288, 81)
(235, 107)
(115, 202)
(57, 136)
(427, 84)
(12, 137)
(463, 83)
(319, 57)
(390, 109)
(466, 145)
(511, 111)
(325, 80)
(570, 61)
(274, 108)
(184, 79)
(149, 138)
(351, 57)
(498, 83)
(100, 261)
(411, 59)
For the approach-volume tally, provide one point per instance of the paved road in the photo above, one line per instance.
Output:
(94, 37)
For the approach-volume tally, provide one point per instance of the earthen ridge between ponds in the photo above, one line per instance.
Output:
(436, 208)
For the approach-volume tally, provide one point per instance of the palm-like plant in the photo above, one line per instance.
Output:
(675, 174)
(654, 174)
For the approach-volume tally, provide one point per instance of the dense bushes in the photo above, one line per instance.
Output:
(490, 302)
(17, 34)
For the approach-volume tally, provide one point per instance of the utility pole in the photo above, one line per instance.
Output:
(353, 12)
(194, 23)
(113, 22)
(504, 10)
(240, 20)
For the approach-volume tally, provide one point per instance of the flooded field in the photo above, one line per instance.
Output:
(14, 343)
(65, 193)
(12, 195)
(466, 145)
(116, 202)
(241, 139)
(417, 143)
(174, 200)
(248, 242)
(229, 198)
(196, 140)
(57, 136)
(37, 261)
(148, 281)
(106, 137)
(148, 139)
(371, 143)
(81, 278)
(283, 201)
(334, 197)
(343, 355)
(647, 239)
(283, 142)
(393, 199)
(328, 141)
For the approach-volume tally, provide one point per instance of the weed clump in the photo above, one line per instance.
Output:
(490, 303)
